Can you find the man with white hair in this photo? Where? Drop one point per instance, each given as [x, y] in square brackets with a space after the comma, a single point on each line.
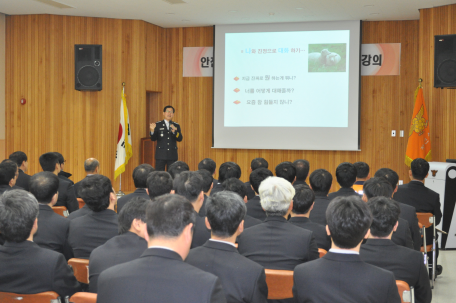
[276, 243]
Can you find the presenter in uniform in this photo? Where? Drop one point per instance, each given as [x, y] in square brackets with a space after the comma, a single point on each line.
[166, 133]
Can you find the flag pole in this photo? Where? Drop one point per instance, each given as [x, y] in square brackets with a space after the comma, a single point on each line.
[120, 193]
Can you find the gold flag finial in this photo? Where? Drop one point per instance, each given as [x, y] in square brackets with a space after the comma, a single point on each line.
[420, 81]
[123, 83]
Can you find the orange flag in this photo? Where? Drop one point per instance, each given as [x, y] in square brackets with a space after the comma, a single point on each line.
[419, 142]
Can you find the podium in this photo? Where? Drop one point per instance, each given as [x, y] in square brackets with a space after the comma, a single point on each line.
[442, 180]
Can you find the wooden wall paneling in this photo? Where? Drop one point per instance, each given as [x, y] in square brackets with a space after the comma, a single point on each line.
[440, 102]
[386, 104]
[40, 68]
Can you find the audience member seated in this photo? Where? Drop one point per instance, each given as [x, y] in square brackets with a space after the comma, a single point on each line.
[50, 162]
[276, 243]
[346, 177]
[189, 184]
[406, 264]
[303, 202]
[53, 228]
[127, 246]
[207, 186]
[226, 170]
[380, 187]
[62, 174]
[237, 186]
[140, 174]
[286, 170]
[177, 167]
[254, 208]
[209, 165]
[26, 268]
[91, 167]
[160, 275]
[94, 229]
[341, 276]
[20, 158]
[159, 183]
[255, 164]
[242, 279]
[424, 200]
[320, 181]
[8, 175]
[362, 175]
[408, 212]
[302, 168]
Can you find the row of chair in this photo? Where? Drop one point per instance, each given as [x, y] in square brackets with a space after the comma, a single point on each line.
[426, 220]
[63, 211]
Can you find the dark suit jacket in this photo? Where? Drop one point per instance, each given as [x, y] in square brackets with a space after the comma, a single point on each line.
[343, 278]
[318, 213]
[76, 187]
[166, 148]
[406, 264]
[318, 230]
[4, 188]
[402, 236]
[343, 192]
[159, 275]
[80, 212]
[26, 268]
[67, 196]
[254, 209]
[278, 244]
[53, 231]
[139, 192]
[23, 180]
[408, 213]
[64, 176]
[92, 230]
[242, 279]
[202, 211]
[217, 188]
[200, 234]
[250, 221]
[250, 192]
[424, 200]
[299, 182]
[120, 249]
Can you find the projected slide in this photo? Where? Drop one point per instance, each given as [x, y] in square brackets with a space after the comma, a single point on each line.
[287, 79]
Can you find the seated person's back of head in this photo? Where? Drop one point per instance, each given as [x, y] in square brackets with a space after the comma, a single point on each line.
[286, 170]
[26, 268]
[177, 167]
[302, 168]
[94, 229]
[160, 270]
[159, 183]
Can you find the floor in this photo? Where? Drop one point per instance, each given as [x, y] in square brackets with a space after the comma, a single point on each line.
[445, 285]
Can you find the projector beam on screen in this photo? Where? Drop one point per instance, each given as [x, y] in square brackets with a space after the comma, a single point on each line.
[287, 86]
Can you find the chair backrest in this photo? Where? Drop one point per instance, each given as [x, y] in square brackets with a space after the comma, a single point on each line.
[280, 284]
[81, 203]
[405, 292]
[322, 252]
[80, 269]
[60, 210]
[427, 219]
[43, 297]
[83, 297]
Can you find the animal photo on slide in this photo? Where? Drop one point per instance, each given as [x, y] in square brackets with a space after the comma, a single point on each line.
[324, 58]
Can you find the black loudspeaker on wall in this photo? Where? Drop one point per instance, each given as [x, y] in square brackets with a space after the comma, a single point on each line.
[88, 67]
[445, 61]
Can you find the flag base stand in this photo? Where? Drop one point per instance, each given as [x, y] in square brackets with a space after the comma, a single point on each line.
[120, 194]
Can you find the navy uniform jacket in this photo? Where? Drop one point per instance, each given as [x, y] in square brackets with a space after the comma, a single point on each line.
[120, 249]
[319, 231]
[406, 264]
[343, 278]
[243, 280]
[26, 268]
[159, 275]
[23, 180]
[92, 230]
[53, 231]
[166, 148]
